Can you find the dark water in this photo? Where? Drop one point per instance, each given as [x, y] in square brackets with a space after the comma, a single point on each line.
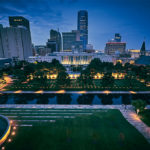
[89, 99]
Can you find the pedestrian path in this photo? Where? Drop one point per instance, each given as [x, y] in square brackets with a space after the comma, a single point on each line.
[133, 119]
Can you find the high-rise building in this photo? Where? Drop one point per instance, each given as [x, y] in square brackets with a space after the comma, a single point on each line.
[42, 50]
[83, 27]
[16, 21]
[71, 41]
[15, 42]
[54, 43]
[113, 48]
[117, 37]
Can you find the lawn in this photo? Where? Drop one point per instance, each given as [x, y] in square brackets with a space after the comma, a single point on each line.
[92, 130]
[145, 117]
[119, 85]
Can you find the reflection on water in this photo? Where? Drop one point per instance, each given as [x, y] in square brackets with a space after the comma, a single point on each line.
[83, 99]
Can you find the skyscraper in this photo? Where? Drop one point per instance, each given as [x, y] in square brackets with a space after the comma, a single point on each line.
[117, 37]
[15, 42]
[54, 43]
[83, 27]
[71, 41]
[16, 21]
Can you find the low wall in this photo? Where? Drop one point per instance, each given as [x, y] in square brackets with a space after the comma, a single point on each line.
[7, 132]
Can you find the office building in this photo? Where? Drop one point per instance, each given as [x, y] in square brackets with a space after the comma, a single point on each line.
[54, 43]
[71, 41]
[115, 48]
[15, 42]
[16, 21]
[42, 50]
[117, 37]
[82, 27]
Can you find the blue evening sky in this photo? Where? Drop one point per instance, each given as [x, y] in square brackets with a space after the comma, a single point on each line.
[130, 18]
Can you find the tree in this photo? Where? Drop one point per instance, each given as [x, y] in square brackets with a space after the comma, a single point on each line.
[108, 79]
[63, 79]
[85, 78]
[139, 105]
[118, 67]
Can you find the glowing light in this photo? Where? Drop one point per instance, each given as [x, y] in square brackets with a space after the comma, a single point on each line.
[11, 121]
[9, 140]
[3, 148]
[39, 92]
[14, 128]
[132, 92]
[107, 92]
[19, 91]
[135, 117]
[82, 92]
[61, 92]
[13, 133]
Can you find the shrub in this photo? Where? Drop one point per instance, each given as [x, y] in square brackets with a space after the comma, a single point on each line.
[139, 105]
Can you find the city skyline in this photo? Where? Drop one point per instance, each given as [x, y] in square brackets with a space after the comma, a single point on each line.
[105, 19]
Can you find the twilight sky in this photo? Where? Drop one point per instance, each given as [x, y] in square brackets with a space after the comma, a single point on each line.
[130, 18]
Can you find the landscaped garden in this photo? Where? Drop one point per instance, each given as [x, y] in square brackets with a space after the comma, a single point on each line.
[82, 129]
[97, 76]
[145, 116]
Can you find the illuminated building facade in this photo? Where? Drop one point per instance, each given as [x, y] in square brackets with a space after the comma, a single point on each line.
[135, 53]
[16, 21]
[68, 59]
[83, 27]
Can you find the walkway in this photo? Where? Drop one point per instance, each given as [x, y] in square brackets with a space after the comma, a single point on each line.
[8, 81]
[134, 120]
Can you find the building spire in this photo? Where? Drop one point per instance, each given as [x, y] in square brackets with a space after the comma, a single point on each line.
[143, 49]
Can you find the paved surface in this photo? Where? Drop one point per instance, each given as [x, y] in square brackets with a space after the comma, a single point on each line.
[134, 120]
[127, 112]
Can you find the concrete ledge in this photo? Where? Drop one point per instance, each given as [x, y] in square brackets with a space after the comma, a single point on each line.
[74, 92]
[7, 132]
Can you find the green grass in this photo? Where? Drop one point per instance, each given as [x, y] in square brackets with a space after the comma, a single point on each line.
[145, 117]
[119, 85]
[103, 130]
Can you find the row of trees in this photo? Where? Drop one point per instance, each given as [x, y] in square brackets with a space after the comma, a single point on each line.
[23, 70]
[132, 72]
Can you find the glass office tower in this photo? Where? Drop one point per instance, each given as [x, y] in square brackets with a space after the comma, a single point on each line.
[83, 27]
